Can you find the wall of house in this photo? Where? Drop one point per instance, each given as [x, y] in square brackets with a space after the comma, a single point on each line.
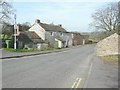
[39, 30]
[67, 37]
[63, 36]
[77, 39]
[20, 45]
[109, 46]
[39, 46]
[50, 39]
[86, 38]
[60, 44]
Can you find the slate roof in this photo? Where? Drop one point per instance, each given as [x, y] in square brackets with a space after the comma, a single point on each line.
[30, 36]
[52, 27]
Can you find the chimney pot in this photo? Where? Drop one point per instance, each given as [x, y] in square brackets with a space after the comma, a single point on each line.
[60, 25]
[18, 29]
[37, 21]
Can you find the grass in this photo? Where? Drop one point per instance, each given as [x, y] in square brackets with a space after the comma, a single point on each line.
[28, 50]
[50, 49]
[111, 58]
[19, 50]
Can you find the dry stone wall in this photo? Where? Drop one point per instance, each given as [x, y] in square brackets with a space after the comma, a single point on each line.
[109, 45]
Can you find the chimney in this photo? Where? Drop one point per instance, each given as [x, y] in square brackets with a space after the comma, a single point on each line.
[37, 21]
[18, 29]
[60, 25]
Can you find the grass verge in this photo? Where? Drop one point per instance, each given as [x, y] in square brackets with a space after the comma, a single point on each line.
[19, 50]
[28, 50]
[111, 58]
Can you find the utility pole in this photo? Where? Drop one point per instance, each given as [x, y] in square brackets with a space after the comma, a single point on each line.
[15, 29]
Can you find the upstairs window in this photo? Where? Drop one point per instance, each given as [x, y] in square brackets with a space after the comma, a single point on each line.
[51, 33]
[61, 34]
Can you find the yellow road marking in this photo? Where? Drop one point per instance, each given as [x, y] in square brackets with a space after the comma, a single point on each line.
[76, 83]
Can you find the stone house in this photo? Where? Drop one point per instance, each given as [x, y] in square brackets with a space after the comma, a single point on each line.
[85, 38]
[78, 39]
[30, 40]
[109, 45]
[54, 35]
[44, 35]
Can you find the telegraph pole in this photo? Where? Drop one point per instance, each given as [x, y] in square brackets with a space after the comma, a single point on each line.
[15, 29]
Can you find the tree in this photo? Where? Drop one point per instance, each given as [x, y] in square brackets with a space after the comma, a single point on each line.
[106, 19]
[119, 17]
[7, 30]
[5, 11]
[25, 26]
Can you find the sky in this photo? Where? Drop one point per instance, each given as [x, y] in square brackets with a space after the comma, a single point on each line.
[74, 15]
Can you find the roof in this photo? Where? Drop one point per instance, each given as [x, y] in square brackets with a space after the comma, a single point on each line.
[58, 38]
[52, 27]
[30, 36]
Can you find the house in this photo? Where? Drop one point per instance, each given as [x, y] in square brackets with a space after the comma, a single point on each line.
[30, 40]
[47, 35]
[78, 39]
[85, 38]
[109, 45]
[54, 35]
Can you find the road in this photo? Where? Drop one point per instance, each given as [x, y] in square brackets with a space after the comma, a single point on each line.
[67, 69]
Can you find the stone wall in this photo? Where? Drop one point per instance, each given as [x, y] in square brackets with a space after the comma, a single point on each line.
[77, 39]
[109, 45]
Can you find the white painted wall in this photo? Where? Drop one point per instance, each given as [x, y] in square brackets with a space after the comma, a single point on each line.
[60, 45]
[38, 30]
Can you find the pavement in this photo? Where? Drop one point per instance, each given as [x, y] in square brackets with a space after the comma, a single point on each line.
[74, 68]
[102, 74]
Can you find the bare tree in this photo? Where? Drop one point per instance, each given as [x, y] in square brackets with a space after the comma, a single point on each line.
[119, 17]
[119, 11]
[106, 19]
[5, 11]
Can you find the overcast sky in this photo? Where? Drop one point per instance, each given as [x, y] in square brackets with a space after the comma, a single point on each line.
[74, 15]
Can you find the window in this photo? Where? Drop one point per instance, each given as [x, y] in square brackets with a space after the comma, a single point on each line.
[61, 34]
[51, 33]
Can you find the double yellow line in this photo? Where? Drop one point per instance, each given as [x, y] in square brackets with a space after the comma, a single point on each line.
[76, 83]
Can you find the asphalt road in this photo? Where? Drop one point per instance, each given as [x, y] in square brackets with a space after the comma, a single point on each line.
[67, 69]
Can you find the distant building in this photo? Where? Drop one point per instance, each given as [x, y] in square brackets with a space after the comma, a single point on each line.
[78, 39]
[86, 39]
